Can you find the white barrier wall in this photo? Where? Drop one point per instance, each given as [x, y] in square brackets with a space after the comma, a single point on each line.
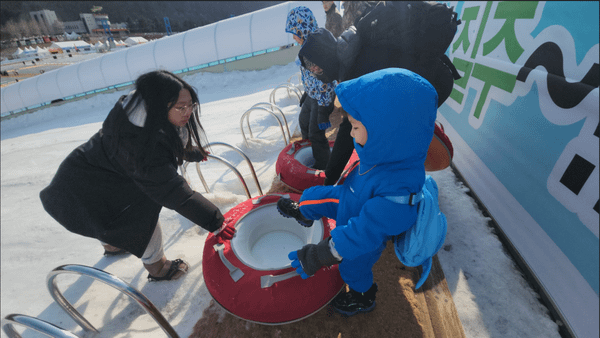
[524, 122]
[249, 33]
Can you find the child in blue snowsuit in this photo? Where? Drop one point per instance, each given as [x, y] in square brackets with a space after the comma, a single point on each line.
[317, 104]
[392, 112]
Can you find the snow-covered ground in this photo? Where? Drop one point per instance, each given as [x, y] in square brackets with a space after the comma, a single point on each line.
[491, 296]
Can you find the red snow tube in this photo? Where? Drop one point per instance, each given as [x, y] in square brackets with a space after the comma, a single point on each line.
[440, 153]
[251, 276]
[293, 166]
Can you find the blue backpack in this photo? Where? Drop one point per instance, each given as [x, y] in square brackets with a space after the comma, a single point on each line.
[417, 245]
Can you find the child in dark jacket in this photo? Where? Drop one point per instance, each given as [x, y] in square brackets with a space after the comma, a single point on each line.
[392, 112]
[317, 103]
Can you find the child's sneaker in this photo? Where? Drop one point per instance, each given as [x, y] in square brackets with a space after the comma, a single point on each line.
[291, 209]
[353, 302]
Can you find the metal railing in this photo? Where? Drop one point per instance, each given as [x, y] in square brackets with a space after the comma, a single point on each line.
[273, 107]
[33, 323]
[110, 280]
[239, 151]
[290, 88]
[246, 115]
[222, 160]
[297, 76]
[228, 164]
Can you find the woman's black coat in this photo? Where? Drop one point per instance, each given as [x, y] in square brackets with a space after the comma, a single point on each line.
[97, 192]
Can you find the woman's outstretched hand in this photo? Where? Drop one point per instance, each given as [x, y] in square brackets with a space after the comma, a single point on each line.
[226, 231]
[194, 155]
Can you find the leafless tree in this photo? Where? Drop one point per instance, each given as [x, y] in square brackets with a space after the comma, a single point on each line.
[34, 28]
[29, 28]
[24, 29]
[12, 29]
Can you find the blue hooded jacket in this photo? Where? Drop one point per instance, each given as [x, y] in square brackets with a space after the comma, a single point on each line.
[398, 109]
[301, 22]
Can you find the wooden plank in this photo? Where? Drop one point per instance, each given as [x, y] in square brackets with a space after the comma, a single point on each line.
[442, 310]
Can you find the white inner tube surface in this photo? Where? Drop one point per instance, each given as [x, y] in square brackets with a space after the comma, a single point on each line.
[264, 238]
[305, 156]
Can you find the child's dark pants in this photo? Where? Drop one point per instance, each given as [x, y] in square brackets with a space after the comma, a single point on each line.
[309, 126]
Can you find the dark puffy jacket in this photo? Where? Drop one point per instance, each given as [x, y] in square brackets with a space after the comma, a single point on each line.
[97, 192]
[354, 59]
[352, 11]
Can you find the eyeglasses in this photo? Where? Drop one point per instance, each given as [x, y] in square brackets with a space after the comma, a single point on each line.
[181, 110]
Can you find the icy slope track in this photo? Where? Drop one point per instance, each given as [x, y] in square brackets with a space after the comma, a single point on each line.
[491, 297]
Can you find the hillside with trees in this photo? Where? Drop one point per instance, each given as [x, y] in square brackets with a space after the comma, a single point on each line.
[140, 16]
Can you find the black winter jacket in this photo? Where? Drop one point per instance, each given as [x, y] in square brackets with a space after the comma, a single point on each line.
[98, 193]
[347, 57]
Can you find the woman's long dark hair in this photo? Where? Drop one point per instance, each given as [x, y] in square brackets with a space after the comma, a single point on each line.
[159, 91]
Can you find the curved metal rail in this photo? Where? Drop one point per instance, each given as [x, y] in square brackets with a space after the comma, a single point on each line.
[110, 280]
[273, 107]
[285, 140]
[183, 169]
[228, 164]
[33, 323]
[239, 151]
[299, 76]
[287, 86]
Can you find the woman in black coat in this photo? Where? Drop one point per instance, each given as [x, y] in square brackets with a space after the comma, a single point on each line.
[113, 187]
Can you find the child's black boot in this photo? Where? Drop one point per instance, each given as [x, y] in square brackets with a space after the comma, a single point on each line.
[291, 209]
[353, 302]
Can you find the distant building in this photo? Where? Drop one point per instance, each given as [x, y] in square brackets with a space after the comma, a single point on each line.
[89, 23]
[93, 23]
[75, 26]
[44, 16]
[69, 47]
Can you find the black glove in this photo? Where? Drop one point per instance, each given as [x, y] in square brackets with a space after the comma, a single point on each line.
[193, 155]
[312, 257]
[323, 117]
[303, 98]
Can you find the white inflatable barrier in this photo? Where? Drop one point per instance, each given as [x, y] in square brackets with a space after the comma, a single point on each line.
[245, 35]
